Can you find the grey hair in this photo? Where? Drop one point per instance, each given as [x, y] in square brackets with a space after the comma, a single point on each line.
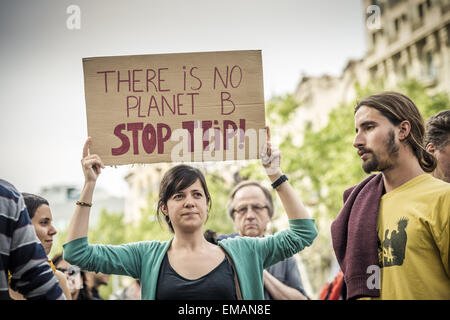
[267, 194]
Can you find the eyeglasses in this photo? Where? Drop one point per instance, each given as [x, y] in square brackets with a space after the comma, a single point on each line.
[256, 208]
[72, 270]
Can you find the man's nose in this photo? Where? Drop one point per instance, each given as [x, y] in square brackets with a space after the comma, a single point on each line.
[250, 213]
[358, 141]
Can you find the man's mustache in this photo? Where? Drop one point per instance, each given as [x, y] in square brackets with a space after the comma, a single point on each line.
[363, 150]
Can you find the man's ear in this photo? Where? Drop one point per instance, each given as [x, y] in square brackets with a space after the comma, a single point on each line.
[404, 130]
[430, 148]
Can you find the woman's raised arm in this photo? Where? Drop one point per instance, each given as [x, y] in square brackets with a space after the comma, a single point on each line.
[92, 165]
[271, 160]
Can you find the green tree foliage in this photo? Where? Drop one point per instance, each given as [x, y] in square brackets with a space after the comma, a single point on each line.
[219, 190]
[107, 229]
[148, 227]
[279, 109]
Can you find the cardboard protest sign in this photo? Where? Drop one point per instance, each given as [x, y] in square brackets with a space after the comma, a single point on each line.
[206, 106]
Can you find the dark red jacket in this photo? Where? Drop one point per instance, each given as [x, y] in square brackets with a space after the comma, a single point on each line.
[354, 235]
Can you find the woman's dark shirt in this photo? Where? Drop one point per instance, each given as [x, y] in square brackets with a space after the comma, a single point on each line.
[218, 284]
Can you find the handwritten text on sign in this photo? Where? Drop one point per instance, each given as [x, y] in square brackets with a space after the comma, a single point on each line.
[175, 107]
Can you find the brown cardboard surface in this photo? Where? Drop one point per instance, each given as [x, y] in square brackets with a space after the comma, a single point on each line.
[157, 108]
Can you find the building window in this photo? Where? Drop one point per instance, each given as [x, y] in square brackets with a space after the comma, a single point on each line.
[404, 70]
[397, 24]
[373, 72]
[431, 69]
[72, 193]
[421, 13]
[376, 2]
[428, 2]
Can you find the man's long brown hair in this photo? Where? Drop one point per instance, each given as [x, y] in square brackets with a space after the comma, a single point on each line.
[397, 108]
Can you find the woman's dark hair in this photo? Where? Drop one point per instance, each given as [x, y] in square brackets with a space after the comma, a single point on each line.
[33, 202]
[176, 179]
[397, 107]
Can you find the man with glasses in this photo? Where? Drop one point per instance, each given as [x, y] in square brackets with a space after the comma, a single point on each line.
[251, 209]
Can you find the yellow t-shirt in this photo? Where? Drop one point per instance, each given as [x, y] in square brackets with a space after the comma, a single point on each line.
[413, 229]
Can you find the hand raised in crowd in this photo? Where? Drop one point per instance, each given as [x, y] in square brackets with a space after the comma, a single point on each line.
[91, 163]
[270, 157]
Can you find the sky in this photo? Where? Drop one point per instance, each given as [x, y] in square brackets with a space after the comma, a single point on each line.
[42, 105]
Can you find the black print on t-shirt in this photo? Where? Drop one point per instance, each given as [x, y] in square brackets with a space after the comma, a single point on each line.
[392, 251]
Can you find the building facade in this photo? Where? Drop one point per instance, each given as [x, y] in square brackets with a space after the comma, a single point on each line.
[62, 199]
[412, 41]
[406, 39]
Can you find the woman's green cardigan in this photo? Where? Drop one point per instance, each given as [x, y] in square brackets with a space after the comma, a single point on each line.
[142, 260]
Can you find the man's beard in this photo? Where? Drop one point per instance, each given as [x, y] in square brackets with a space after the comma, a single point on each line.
[374, 164]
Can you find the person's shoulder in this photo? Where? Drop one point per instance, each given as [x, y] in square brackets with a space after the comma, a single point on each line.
[12, 205]
[290, 260]
[286, 263]
[227, 236]
[8, 191]
[435, 186]
[150, 245]
[6, 184]
[371, 180]
[282, 266]
[437, 194]
[443, 194]
[240, 243]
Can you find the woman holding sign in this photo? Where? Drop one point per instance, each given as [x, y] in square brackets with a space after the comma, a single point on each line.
[188, 267]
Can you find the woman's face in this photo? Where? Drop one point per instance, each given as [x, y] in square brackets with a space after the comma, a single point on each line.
[187, 208]
[42, 223]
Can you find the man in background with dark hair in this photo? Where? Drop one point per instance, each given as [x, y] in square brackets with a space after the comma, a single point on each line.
[437, 142]
[391, 238]
[98, 279]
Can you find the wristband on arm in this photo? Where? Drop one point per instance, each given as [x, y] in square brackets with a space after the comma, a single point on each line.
[279, 181]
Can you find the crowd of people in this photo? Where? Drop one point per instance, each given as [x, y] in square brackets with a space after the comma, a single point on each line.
[391, 238]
